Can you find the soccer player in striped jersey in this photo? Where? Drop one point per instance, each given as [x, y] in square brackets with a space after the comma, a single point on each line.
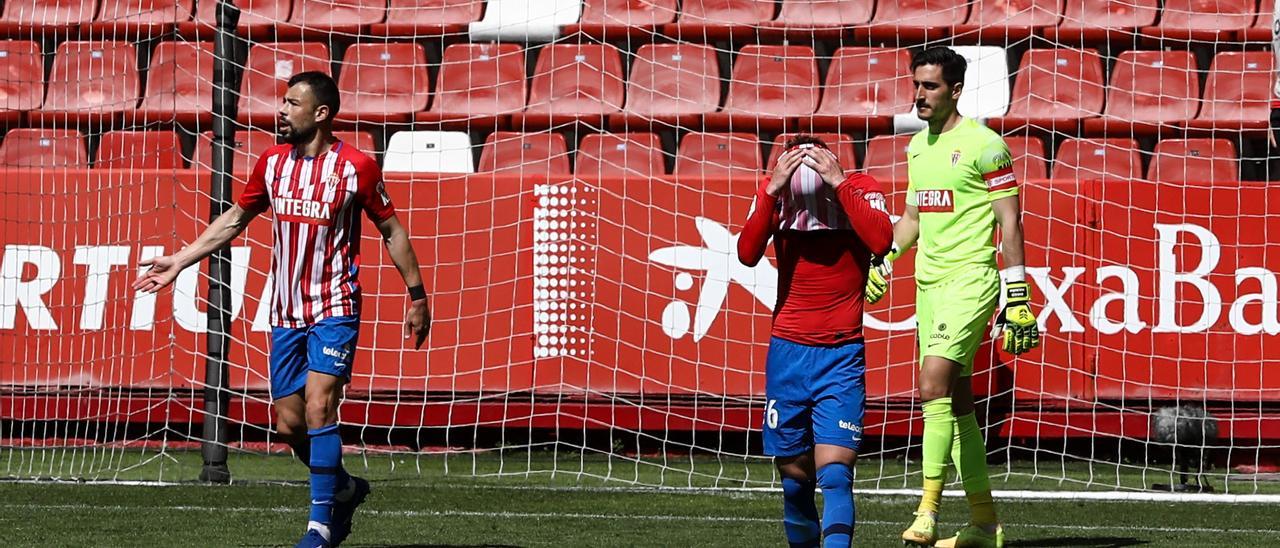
[316, 187]
[961, 186]
[825, 227]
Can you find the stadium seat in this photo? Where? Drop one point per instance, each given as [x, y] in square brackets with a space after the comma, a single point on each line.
[865, 87]
[258, 19]
[511, 152]
[179, 84]
[139, 150]
[91, 82]
[1099, 22]
[118, 19]
[1055, 88]
[573, 82]
[671, 83]
[383, 83]
[886, 159]
[1149, 89]
[362, 140]
[323, 18]
[267, 73]
[1194, 161]
[1028, 157]
[21, 79]
[1003, 20]
[43, 148]
[1237, 94]
[45, 18]
[611, 19]
[907, 21]
[718, 155]
[524, 21]
[416, 18]
[428, 152]
[1260, 31]
[248, 146]
[1105, 159]
[1201, 20]
[822, 18]
[986, 82]
[620, 154]
[709, 20]
[769, 85]
[477, 82]
[839, 143]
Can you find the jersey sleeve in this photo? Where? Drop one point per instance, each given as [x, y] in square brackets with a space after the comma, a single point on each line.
[995, 164]
[762, 220]
[255, 197]
[371, 193]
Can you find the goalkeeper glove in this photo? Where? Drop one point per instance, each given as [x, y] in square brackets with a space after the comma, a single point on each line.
[1021, 332]
[878, 276]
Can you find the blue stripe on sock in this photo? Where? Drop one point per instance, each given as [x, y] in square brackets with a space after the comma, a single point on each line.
[326, 462]
[836, 481]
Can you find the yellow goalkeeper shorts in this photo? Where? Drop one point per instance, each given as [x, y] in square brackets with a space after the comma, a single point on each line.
[954, 315]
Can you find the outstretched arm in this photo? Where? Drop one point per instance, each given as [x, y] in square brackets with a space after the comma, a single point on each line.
[219, 233]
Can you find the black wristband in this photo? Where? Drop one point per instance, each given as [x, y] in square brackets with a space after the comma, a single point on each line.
[417, 293]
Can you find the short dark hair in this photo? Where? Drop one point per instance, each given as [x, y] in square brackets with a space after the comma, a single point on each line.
[804, 139]
[952, 63]
[322, 86]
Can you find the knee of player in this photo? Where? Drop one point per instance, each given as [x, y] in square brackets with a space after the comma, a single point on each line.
[930, 390]
[836, 475]
[319, 414]
[290, 427]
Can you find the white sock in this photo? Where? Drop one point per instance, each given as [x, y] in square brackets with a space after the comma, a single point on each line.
[319, 528]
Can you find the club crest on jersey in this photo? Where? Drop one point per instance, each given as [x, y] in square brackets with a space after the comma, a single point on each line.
[331, 180]
[934, 201]
[955, 157]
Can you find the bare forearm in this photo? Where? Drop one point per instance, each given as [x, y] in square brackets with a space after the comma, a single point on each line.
[404, 257]
[1011, 247]
[219, 233]
[905, 233]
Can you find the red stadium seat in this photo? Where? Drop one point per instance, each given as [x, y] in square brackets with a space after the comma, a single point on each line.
[671, 83]
[267, 73]
[840, 144]
[718, 155]
[1194, 161]
[823, 18]
[21, 79]
[415, 18]
[1149, 89]
[913, 20]
[248, 146]
[1261, 29]
[1106, 159]
[620, 154]
[477, 81]
[322, 18]
[886, 159]
[1000, 20]
[382, 83]
[91, 82]
[622, 18]
[1097, 22]
[179, 84]
[707, 20]
[27, 18]
[769, 84]
[143, 18]
[865, 88]
[43, 148]
[525, 153]
[1203, 20]
[1028, 157]
[1237, 94]
[574, 82]
[1055, 88]
[139, 150]
[258, 18]
[362, 140]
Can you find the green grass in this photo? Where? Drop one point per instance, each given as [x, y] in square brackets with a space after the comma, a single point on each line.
[481, 499]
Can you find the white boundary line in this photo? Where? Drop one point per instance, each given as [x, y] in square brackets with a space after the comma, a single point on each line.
[621, 517]
[1015, 494]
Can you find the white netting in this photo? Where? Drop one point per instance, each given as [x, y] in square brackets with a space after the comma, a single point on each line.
[574, 176]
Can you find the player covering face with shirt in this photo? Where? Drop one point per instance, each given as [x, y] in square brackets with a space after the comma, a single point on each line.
[825, 225]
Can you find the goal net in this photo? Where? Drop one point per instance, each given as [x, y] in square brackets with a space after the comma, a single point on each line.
[575, 174]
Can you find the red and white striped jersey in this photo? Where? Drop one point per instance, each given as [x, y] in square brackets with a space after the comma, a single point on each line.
[315, 204]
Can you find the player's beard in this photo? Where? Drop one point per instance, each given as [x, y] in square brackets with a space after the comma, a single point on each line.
[291, 135]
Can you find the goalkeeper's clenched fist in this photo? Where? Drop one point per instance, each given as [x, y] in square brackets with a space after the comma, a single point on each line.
[878, 276]
[1021, 333]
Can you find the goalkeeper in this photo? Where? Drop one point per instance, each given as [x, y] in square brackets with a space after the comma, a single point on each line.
[961, 186]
